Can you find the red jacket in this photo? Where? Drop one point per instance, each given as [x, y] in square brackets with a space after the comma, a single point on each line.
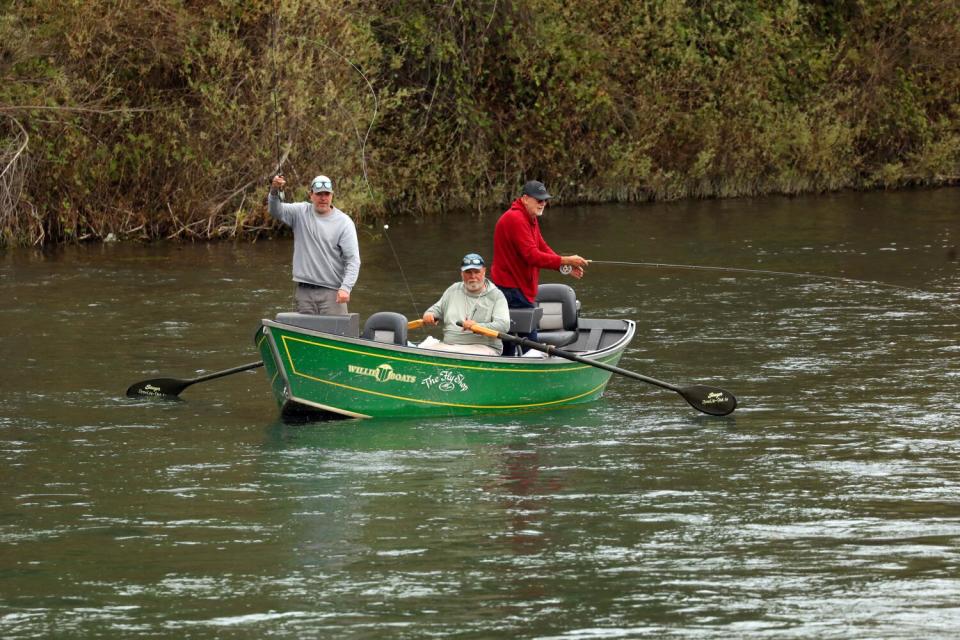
[519, 251]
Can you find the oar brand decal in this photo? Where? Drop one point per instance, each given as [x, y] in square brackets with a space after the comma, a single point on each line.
[715, 397]
[383, 373]
[150, 390]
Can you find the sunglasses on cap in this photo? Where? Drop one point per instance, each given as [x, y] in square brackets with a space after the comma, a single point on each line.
[471, 261]
[321, 185]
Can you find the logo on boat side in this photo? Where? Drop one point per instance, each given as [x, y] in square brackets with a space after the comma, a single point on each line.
[446, 381]
[383, 373]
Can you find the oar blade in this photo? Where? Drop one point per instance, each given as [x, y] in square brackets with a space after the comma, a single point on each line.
[157, 388]
[709, 400]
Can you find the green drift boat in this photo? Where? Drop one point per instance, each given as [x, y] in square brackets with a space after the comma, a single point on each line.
[323, 367]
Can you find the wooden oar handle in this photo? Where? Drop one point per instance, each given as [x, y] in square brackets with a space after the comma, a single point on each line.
[415, 324]
[483, 331]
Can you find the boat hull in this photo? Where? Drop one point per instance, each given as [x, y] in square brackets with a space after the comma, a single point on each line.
[316, 375]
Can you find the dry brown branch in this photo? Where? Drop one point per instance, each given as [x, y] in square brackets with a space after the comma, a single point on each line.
[25, 137]
[12, 176]
[41, 234]
[242, 189]
[19, 108]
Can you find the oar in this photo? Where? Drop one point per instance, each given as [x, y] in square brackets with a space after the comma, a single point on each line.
[710, 400]
[160, 387]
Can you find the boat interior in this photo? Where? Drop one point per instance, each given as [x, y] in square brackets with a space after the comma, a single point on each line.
[556, 317]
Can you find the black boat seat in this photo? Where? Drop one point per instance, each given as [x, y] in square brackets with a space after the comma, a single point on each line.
[386, 326]
[348, 325]
[558, 326]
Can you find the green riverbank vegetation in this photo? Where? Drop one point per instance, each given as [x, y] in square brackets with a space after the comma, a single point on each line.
[164, 119]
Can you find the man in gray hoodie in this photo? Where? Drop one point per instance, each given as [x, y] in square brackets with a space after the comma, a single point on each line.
[474, 300]
[326, 254]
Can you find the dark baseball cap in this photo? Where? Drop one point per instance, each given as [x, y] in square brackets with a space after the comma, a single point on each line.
[535, 189]
[471, 261]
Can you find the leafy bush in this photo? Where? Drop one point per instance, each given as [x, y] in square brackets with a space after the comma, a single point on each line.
[159, 120]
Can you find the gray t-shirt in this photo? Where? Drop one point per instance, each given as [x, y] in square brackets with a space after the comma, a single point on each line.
[325, 247]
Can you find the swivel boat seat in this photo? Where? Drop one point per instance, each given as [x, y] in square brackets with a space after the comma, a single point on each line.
[558, 326]
[386, 326]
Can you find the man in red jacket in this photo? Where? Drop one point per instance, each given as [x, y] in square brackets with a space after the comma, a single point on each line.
[519, 251]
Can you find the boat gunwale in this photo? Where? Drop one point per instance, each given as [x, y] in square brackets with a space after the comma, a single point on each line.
[620, 344]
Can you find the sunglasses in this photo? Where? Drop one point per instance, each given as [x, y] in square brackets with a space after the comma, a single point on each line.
[321, 185]
[471, 262]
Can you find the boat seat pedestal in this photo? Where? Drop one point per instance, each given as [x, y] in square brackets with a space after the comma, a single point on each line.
[525, 320]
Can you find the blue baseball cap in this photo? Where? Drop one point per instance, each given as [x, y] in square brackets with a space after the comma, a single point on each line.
[471, 261]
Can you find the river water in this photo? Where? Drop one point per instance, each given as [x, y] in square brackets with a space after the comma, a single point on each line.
[826, 506]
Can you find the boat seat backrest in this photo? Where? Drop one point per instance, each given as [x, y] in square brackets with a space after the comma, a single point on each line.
[386, 326]
[558, 326]
[559, 304]
[341, 325]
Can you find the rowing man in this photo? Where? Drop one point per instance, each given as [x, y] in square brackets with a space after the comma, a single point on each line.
[472, 301]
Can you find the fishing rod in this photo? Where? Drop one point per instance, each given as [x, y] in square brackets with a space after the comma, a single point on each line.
[363, 138]
[373, 117]
[402, 274]
[276, 109]
[665, 265]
